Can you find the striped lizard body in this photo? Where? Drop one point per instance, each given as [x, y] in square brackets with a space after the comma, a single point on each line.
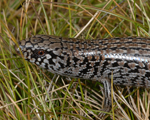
[128, 58]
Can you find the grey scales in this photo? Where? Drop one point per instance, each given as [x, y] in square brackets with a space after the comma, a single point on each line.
[127, 58]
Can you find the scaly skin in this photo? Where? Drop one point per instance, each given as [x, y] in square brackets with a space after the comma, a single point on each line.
[128, 58]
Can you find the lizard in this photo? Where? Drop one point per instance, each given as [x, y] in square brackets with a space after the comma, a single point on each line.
[128, 58]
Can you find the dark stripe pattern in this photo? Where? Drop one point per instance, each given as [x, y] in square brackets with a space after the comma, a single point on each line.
[127, 58]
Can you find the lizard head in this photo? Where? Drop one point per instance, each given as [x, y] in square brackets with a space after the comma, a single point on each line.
[40, 49]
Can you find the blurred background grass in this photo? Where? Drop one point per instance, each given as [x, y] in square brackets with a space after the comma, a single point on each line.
[28, 92]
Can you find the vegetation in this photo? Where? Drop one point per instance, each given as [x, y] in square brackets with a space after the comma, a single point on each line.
[28, 92]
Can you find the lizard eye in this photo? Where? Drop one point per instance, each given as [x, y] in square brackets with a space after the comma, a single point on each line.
[41, 52]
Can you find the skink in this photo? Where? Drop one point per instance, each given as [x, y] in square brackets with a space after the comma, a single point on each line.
[127, 58]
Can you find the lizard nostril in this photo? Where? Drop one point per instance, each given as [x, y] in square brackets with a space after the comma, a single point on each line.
[16, 48]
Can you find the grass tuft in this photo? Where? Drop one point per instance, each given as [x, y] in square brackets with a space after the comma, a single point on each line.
[28, 92]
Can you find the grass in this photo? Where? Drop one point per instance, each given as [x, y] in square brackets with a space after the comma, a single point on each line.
[28, 92]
